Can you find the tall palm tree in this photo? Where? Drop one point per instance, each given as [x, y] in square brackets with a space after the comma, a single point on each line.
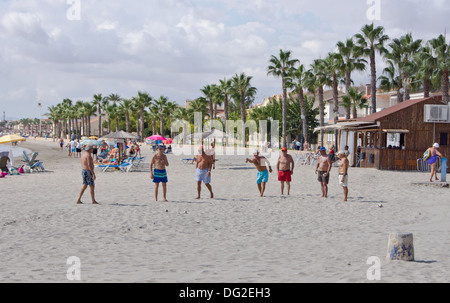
[317, 78]
[208, 92]
[126, 106]
[90, 111]
[352, 60]
[370, 41]
[333, 66]
[441, 52]
[161, 105]
[298, 78]
[225, 86]
[402, 52]
[143, 100]
[426, 65]
[281, 67]
[98, 101]
[241, 90]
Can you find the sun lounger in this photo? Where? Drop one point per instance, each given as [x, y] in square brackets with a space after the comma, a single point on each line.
[186, 161]
[124, 167]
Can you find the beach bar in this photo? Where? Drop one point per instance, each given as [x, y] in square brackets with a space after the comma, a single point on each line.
[396, 137]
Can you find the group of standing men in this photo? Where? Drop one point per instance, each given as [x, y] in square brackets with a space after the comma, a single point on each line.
[204, 164]
[285, 169]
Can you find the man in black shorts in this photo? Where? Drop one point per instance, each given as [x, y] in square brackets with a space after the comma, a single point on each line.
[323, 170]
[87, 173]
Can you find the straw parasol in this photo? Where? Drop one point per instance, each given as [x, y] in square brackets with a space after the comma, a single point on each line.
[120, 135]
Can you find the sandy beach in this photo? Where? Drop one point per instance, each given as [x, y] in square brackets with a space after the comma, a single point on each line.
[235, 237]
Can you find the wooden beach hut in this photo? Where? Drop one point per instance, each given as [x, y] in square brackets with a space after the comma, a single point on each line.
[396, 137]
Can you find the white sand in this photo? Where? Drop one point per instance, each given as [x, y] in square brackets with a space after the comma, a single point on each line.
[235, 237]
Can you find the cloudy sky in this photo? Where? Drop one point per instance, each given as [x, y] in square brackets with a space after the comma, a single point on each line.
[56, 49]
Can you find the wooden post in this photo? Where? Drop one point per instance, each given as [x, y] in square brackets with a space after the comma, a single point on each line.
[400, 247]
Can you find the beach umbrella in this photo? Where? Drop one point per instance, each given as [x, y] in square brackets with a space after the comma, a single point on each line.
[93, 137]
[120, 135]
[156, 138]
[167, 141]
[91, 141]
[11, 139]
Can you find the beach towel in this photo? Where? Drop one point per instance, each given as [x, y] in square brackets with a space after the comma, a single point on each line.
[426, 155]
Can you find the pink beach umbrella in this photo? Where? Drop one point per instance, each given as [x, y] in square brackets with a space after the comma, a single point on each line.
[168, 141]
[156, 138]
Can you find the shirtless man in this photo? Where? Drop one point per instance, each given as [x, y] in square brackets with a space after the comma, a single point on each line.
[87, 166]
[323, 170]
[343, 172]
[203, 171]
[285, 168]
[263, 176]
[159, 174]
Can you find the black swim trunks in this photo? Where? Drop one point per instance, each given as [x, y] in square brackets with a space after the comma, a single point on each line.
[323, 179]
[88, 178]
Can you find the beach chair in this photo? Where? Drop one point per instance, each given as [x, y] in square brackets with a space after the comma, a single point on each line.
[38, 166]
[30, 161]
[191, 161]
[124, 167]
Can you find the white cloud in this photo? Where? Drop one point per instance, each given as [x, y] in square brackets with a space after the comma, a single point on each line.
[176, 47]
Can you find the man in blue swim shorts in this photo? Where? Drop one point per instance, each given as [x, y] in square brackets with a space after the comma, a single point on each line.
[262, 177]
[158, 173]
[203, 171]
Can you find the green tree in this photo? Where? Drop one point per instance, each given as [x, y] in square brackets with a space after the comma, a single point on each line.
[281, 67]
[370, 41]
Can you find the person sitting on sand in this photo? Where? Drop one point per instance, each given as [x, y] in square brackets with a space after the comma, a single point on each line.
[323, 170]
[285, 168]
[343, 172]
[262, 176]
[87, 173]
[203, 171]
[159, 173]
[432, 160]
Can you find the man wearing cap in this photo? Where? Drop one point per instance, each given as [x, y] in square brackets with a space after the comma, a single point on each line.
[323, 170]
[285, 168]
[262, 176]
[343, 172]
[432, 160]
[87, 173]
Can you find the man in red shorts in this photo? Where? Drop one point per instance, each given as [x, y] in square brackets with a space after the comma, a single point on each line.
[285, 168]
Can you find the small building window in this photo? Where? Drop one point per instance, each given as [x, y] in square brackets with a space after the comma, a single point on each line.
[444, 139]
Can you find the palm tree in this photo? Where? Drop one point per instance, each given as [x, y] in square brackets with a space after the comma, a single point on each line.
[281, 67]
[371, 41]
[354, 100]
[161, 108]
[241, 90]
[333, 64]
[90, 111]
[317, 78]
[426, 65]
[98, 101]
[402, 52]
[441, 52]
[208, 92]
[392, 80]
[225, 86]
[143, 100]
[351, 61]
[126, 106]
[298, 78]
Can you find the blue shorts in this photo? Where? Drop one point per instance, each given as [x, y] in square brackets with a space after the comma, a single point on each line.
[262, 176]
[159, 176]
[202, 175]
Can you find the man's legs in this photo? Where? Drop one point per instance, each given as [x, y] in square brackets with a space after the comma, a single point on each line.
[81, 194]
[156, 191]
[164, 185]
